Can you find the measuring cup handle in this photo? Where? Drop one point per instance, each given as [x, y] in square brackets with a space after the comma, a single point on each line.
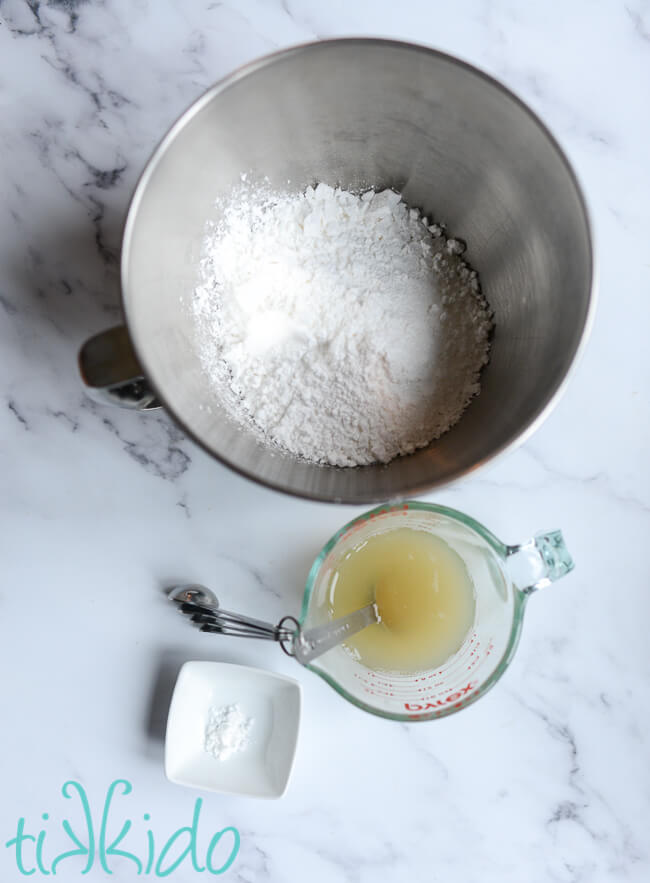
[540, 561]
[112, 374]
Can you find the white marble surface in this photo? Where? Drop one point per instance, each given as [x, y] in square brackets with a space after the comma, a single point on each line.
[545, 779]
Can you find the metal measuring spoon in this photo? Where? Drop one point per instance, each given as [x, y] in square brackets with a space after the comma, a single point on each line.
[202, 605]
[196, 599]
[310, 643]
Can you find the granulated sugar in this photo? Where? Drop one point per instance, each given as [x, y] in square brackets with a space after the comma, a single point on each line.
[347, 329]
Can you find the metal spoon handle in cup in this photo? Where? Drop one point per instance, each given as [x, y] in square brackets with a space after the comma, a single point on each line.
[307, 644]
[202, 606]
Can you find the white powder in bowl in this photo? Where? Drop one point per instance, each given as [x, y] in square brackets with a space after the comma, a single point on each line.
[227, 731]
[344, 328]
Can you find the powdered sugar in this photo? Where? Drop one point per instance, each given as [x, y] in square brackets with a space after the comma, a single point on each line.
[345, 328]
[227, 731]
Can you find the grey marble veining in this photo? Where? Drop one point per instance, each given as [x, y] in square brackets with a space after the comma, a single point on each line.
[546, 778]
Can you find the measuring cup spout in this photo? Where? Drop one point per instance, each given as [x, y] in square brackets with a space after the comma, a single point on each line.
[540, 561]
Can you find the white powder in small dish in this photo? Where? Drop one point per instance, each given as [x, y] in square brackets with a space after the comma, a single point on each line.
[343, 328]
[227, 731]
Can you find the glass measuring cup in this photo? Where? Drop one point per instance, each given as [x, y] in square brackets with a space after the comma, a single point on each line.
[503, 577]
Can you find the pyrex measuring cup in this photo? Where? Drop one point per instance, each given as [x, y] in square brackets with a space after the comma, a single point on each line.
[503, 576]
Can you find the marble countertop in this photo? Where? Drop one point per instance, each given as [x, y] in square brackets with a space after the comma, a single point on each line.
[545, 779]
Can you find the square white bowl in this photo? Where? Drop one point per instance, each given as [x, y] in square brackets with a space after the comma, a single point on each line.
[272, 701]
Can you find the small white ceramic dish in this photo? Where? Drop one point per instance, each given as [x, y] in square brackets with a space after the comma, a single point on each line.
[263, 767]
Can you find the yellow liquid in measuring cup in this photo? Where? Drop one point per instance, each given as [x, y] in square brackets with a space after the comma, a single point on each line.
[423, 592]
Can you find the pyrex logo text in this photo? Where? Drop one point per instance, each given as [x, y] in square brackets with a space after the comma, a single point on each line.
[452, 697]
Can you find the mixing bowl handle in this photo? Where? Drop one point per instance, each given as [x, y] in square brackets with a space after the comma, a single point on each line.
[111, 371]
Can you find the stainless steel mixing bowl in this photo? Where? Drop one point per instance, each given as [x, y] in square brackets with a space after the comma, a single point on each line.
[362, 112]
